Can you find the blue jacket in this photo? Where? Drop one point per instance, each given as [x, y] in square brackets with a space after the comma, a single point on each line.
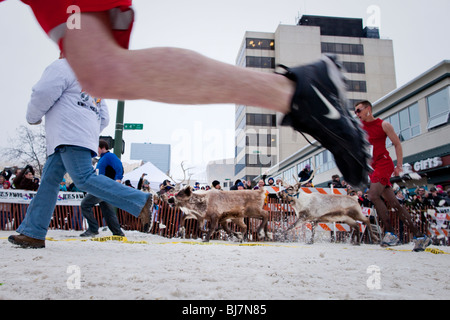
[110, 165]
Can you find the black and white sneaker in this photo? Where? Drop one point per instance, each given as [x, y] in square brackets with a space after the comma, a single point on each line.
[320, 108]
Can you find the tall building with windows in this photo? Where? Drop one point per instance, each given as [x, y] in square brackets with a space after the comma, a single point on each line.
[369, 62]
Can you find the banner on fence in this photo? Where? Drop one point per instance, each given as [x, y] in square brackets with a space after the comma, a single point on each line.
[25, 197]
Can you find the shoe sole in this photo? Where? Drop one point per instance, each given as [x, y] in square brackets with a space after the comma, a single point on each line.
[349, 148]
[386, 245]
[25, 245]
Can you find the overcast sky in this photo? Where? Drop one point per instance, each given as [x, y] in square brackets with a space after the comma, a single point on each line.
[419, 30]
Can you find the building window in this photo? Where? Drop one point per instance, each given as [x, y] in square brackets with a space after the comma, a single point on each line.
[290, 176]
[356, 86]
[260, 119]
[355, 67]
[353, 103]
[241, 124]
[260, 62]
[239, 110]
[240, 165]
[261, 140]
[263, 44]
[438, 108]
[406, 123]
[259, 160]
[324, 161]
[342, 48]
[239, 147]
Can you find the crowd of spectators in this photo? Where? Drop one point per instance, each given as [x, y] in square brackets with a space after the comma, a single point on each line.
[24, 179]
[19, 178]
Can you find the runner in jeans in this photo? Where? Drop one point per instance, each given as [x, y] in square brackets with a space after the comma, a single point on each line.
[58, 96]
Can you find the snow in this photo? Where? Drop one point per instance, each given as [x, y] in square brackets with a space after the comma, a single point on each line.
[176, 269]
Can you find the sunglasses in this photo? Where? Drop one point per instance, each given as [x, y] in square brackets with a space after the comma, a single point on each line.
[358, 111]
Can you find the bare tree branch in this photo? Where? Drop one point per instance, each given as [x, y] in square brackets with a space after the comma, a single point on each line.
[28, 146]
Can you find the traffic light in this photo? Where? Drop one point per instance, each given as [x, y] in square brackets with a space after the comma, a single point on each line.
[110, 142]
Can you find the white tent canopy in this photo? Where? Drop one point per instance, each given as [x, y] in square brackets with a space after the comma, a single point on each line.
[154, 176]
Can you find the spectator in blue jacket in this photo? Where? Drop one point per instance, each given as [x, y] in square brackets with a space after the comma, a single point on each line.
[109, 165]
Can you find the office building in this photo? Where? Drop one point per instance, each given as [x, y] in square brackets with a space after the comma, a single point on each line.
[158, 154]
[369, 61]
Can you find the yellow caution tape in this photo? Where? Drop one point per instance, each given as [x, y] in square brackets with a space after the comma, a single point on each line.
[103, 239]
[253, 244]
[430, 250]
[435, 251]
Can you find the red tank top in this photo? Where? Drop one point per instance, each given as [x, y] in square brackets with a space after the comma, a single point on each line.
[377, 138]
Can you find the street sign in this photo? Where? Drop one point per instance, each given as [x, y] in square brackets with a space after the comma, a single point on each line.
[133, 126]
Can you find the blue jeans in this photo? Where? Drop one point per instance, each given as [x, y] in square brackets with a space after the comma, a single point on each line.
[77, 162]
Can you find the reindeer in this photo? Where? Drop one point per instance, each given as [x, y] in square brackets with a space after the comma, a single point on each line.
[220, 206]
[187, 213]
[317, 207]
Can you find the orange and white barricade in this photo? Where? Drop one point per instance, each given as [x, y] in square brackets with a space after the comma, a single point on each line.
[274, 189]
[335, 227]
[441, 215]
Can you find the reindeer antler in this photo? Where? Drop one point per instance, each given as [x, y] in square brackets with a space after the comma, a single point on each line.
[178, 184]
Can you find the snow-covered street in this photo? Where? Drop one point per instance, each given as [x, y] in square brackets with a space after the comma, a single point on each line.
[161, 268]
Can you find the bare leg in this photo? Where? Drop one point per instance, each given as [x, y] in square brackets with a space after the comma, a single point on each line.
[169, 75]
[375, 192]
[389, 196]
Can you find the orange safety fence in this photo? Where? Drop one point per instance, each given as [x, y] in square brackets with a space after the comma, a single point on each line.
[167, 222]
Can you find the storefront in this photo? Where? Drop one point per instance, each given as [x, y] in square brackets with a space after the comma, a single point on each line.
[433, 170]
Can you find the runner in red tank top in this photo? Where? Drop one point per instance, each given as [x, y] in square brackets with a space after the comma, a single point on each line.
[383, 167]
[381, 161]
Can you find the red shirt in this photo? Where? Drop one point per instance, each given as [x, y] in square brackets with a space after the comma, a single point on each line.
[381, 161]
[377, 138]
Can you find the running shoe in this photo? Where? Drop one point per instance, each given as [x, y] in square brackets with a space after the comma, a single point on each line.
[389, 240]
[421, 243]
[89, 233]
[320, 108]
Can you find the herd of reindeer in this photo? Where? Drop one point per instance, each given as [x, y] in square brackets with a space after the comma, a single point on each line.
[219, 207]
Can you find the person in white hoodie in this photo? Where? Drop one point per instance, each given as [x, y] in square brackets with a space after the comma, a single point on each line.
[59, 98]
